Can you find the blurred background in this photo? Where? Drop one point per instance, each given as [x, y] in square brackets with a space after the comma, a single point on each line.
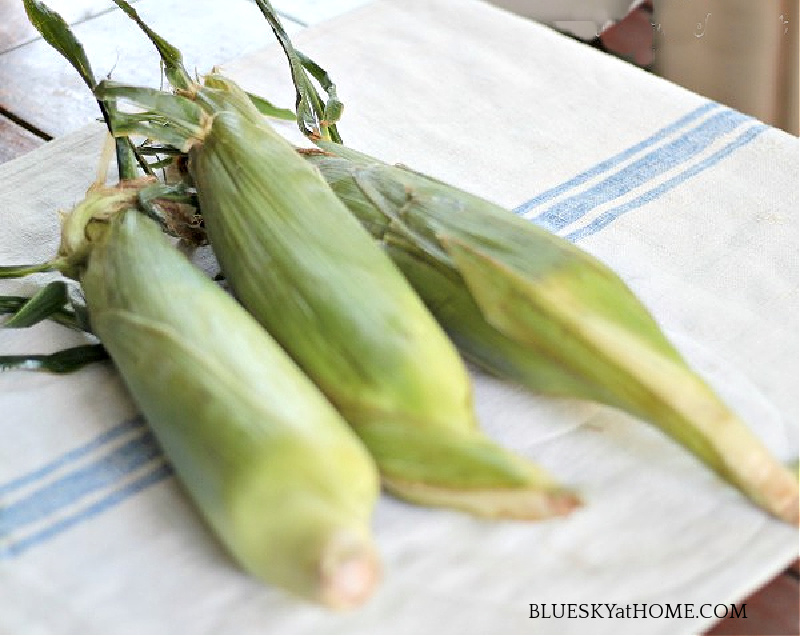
[741, 53]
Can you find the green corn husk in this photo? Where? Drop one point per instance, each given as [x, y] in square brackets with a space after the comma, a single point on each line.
[529, 306]
[270, 464]
[303, 266]
[48, 301]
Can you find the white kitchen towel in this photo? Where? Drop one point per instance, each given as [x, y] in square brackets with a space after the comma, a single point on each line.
[695, 205]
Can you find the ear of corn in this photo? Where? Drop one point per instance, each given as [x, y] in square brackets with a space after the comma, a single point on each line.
[303, 266]
[271, 465]
[530, 306]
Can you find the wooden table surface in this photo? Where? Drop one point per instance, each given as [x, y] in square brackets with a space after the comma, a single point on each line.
[41, 98]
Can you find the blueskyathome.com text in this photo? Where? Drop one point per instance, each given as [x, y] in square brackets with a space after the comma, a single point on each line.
[638, 610]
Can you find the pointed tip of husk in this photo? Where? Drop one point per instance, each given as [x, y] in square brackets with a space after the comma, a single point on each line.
[779, 494]
[527, 503]
[791, 511]
[350, 572]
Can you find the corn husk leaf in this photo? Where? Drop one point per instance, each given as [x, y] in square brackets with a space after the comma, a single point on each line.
[268, 109]
[18, 271]
[171, 57]
[46, 302]
[315, 119]
[64, 361]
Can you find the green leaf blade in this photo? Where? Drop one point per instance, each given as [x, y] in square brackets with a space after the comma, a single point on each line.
[170, 55]
[313, 118]
[56, 32]
[60, 362]
[46, 302]
[18, 271]
[268, 109]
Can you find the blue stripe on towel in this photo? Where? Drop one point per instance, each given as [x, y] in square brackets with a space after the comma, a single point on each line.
[644, 169]
[70, 488]
[608, 164]
[158, 474]
[607, 217]
[73, 455]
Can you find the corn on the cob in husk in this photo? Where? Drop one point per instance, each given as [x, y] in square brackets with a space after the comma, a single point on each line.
[530, 306]
[303, 266]
[274, 469]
